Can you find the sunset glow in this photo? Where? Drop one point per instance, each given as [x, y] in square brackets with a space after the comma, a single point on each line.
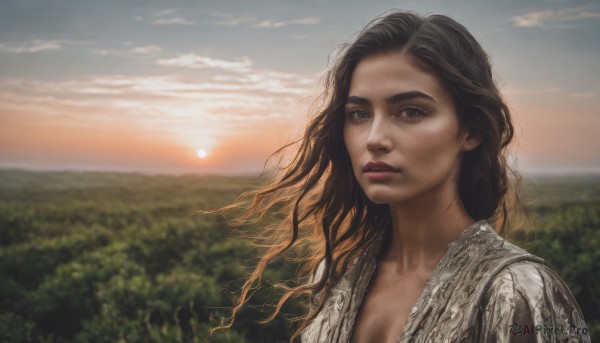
[222, 92]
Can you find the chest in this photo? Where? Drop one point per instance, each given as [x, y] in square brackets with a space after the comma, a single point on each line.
[385, 309]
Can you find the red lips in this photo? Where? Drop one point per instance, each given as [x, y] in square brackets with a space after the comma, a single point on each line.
[378, 166]
[380, 172]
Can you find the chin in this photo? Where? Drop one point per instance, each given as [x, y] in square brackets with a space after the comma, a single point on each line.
[388, 196]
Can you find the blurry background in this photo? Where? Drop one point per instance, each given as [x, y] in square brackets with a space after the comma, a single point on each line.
[119, 119]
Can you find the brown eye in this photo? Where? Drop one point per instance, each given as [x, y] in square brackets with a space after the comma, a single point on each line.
[357, 114]
[411, 112]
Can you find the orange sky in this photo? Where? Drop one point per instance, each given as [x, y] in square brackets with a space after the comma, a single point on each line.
[149, 89]
[548, 132]
[131, 147]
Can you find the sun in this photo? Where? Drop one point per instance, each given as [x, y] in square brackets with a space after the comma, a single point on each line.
[202, 153]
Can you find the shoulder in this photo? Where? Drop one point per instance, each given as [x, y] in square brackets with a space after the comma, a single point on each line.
[523, 280]
[529, 300]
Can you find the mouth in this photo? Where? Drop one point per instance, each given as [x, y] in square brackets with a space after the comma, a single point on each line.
[379, 167]
[379, 171]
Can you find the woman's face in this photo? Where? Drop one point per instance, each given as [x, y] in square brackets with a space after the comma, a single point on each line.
[400, 114]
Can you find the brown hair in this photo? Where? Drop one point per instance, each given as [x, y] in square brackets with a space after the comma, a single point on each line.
[327, 215]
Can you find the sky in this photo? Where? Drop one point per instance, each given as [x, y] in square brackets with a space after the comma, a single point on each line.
[144, 85]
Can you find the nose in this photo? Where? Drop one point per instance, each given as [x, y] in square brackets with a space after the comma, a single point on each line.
[379, 135]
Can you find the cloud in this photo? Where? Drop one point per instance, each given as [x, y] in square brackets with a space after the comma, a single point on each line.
[146, 49]
[172, 21]
[33, 46]
[241, 75]
[548, 18]
[194, 61]
[169, 12]
[244, 76]
[204, 109]
[141, 50]
[276, 24]
[269, 24]
[306, 21]
[239, 20]
[264, 23]
[56, 122]
[106, 52]
[226, 100]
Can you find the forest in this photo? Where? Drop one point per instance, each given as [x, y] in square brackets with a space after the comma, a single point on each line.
[118, 257]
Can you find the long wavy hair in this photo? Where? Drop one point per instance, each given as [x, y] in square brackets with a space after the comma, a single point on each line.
[326, 215]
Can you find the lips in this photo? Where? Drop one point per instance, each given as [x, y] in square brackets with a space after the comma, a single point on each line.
[378, 166]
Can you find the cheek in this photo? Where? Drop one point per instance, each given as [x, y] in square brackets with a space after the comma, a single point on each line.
[434, 148]
[353, 146]
[351, 140]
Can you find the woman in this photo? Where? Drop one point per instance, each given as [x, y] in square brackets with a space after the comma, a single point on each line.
[401, 193]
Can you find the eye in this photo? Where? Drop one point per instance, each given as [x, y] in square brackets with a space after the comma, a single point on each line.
[411, 113]
[357, 114]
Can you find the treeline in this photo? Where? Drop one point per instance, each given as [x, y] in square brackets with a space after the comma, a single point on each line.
[100, 257]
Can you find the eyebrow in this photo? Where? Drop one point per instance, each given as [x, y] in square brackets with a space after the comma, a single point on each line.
[391, 99]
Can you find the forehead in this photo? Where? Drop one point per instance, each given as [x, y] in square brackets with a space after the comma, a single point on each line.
[386, 74]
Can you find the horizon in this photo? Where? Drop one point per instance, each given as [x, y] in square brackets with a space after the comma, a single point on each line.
[214, 88]
[525, 174]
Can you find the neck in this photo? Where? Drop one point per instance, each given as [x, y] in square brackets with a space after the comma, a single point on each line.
[422, 229]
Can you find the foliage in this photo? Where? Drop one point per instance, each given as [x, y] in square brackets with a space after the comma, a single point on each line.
[570, 243]
[101, 257]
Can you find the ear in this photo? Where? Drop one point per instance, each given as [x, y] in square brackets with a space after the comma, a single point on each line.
[471, 141]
